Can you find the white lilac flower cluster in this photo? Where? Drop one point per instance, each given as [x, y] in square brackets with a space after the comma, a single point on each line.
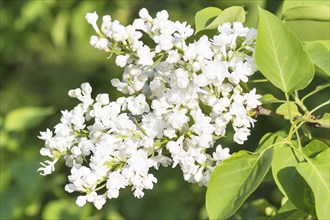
[180, 99]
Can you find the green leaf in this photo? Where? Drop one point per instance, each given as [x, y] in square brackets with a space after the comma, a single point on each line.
[315, 13]
[289, 212]
[289, 181]
[65, 209]
[316, 173]
[314, 148]
[280, 55]
[284, 110]
[288, 4]
[234, 180]
[306, 10]
[324, 121]
[26, 117]
[269, 98]
[270, 140]
[325, 43]
[205, 16]
[320, 56]
[231, 14]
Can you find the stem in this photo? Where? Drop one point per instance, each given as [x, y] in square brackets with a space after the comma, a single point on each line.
[320, 106]
[313, 92]
[139, 127]
[259, 81]
[290, 117]
[300, 103]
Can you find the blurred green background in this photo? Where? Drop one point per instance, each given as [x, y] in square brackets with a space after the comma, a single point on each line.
[44, 53]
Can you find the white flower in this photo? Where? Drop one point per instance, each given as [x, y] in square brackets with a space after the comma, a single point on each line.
[121, 60]
[92, 19]
[179, 98]
[178, 118]
[48, 167]
[144, 14]
[221, 154]
[252, 99]
[139, 162]
[137, 105]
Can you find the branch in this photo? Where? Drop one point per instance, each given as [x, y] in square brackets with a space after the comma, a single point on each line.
[312, 121]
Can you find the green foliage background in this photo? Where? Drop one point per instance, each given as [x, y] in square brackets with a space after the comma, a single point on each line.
[44, 53]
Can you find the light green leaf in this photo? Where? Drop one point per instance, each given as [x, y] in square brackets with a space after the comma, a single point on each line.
[288, 4]
[234, 180]
[270, 140]
[314, 148]
[65, 209]
[315, 13]
[231, 14]
[205, 16]
[316, 173]
[26, 117]
[284, 110]
[325, 43]
[289, 212]
[320, 56]
[280, 55]
[59, 29]
[269, 98]
[324, 121]
[288, 180]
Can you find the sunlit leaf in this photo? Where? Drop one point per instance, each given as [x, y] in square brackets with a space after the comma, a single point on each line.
[231, 14]
[316, 13]
[324, 121]
[306, 10]
[234, 180]
[205, 16]
[59, 30]
[316, 173]
[289, 181]
[288, 109]
[280, 55]
[288, 4]
[269, 98]
[26, 117]
[320, 56]
[270, 140]
[65, 209]
[314, 147]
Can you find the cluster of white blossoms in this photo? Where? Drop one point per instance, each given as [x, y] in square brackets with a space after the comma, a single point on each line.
[180, 99]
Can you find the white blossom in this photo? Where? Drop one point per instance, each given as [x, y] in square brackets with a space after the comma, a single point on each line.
[179, 99]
